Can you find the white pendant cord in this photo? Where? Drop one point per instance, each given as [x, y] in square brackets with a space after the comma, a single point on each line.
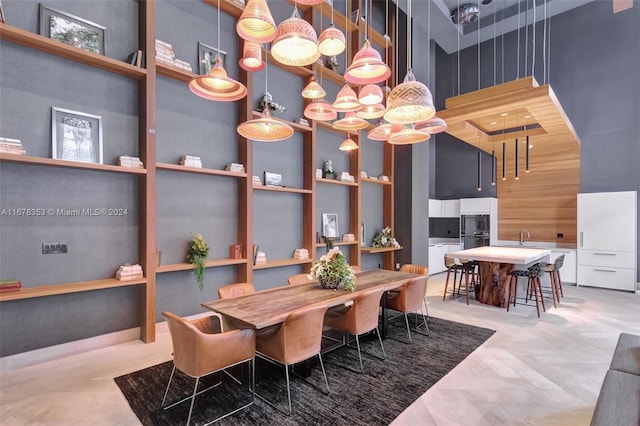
[533, 42]
[518, 50]
[219, 30]
[458, 52]
[478, 45]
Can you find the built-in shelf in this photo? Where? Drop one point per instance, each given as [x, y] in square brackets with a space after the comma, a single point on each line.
[297, 127]
[54, 47]
[186, 169]
[336, 182]
[173, 267]
[379, 249]
[52, 162]
[283, 189]
[175, 73]
[376, 181]
[281, 262]
[76, 287]
[340, 243]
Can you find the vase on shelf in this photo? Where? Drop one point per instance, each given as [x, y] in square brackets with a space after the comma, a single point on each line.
[328, 175]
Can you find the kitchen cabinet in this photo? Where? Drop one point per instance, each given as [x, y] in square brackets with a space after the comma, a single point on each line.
[486, 205]
[436, 256]
[444, 208]
[569, 268]
[607, 240]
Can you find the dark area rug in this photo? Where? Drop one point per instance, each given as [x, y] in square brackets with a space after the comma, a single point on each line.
[374, 398]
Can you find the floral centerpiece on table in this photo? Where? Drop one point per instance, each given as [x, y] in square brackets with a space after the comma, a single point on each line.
[333, 271]
[198, 252]
[384, 239]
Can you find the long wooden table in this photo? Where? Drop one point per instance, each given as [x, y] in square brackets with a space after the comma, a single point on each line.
[495, 264]
[269, 307]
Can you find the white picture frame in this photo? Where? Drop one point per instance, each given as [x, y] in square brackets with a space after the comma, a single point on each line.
[330, 228]
[76, 136]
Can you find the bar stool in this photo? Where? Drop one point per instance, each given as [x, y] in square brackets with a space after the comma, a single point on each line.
[465, 267]
[533, 286]
[554, 276]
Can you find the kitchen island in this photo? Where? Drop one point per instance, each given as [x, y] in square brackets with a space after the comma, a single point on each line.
[495, 265]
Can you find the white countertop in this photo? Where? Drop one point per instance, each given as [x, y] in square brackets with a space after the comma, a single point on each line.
[515, 255]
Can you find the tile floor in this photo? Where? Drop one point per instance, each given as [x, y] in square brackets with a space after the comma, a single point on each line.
[545, 371]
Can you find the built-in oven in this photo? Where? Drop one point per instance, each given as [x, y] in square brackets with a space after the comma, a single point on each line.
[474, 230]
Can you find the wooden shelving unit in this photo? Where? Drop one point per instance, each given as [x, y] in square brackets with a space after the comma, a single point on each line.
[376, 181]
[204, 171]
[340, 243]
[173, 267]
[51, 162]
[336, 182]
[379, 249]
[281, 262]
[66, 288]
[283, 189]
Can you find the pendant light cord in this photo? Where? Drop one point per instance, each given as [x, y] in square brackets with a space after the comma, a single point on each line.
[478, 52]
[526, 37]
[458, 52]
[533, 42]
[494, 44]
[409, 36]
[544, 46]
[518, 54]
[429, 43]
[219, 29]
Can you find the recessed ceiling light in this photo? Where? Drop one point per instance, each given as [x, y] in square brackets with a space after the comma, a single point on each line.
[527, 116]
[493, 123]
[504, 114]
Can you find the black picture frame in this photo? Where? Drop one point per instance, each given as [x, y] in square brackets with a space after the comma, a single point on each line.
[207, 56]
[73, 30]
[76, 136]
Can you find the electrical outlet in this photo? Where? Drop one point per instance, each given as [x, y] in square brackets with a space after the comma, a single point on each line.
[54, 248]
[397, 266]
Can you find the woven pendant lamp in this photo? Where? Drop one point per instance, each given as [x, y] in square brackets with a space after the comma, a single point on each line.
[370, 94]
[346, 100]
[348, 144]
[383, 131]
[432, 126]
[251, 57]
[320, 110]
[409, 102]
[408, 135]
[370, 112]
[331, 42]
[296, 42]
[309, 2]
[313, 90]
[350, 122]
[265, 129]
[367, 67]
[216, 86]
[256, 23]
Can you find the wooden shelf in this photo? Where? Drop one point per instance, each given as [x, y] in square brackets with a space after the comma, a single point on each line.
[376, 181]
[299, 71]
[47, 45]
[283, 189]
[227, 7]
[336, 182]
[205, 171]
[282, 262]
[173, 267]
[77, 287]
[297, 127]
[340, 243]
[379, 249]
[324, 73]
[175, 73]
[41, 161]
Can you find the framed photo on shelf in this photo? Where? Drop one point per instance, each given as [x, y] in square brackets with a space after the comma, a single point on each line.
[363, 235]
[355, 15]
[272, 179]
[207, 56]
[330, 225]
[73, 30]
[76, 136]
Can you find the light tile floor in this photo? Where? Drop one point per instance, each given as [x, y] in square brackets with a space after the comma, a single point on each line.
[545, 371]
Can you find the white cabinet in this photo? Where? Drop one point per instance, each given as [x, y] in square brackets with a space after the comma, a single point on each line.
[436, 256]
[435, 208]
[478, 206]
[569, 268]
[444, 208]
[607, 240]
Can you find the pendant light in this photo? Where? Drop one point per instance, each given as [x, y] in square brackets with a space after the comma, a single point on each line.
[296, 42]
[479, 187]
[410, 101]
[346, 100]
[217, 86]
[528, 147]
[350, 122]
[313, 90]
[256, 23]
[251, 57]
[265, 128]
[371, 112]
[432, 126]
[370, 94]
[348, 144]
[493, 167]
[332, 41]
[320, 110]
[517, 165]
[383, 131]
[504, 161]
[408, 135]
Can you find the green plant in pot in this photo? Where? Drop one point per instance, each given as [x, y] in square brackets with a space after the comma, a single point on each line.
[197, 254]
[333, 271]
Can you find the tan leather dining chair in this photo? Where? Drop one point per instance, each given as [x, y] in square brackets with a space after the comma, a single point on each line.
[235, 290]
[359, 318]
[200, 349]
[297, 339]
[412, 268]
[299, 279]
[409, 298]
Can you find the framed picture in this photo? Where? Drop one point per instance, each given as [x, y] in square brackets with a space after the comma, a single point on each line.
[2, 18]
[73, 30]
[330, 225]
[207, 56]
[76, 136]
[272, 179]
[355, 15]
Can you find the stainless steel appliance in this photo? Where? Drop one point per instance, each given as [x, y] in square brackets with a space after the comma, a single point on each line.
[474, 230]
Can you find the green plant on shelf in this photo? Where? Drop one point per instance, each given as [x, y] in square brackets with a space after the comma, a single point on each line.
[384, 239]
[198, 252]
[333, 271]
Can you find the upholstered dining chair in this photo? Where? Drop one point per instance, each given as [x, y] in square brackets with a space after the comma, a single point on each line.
[297, 339]
[409, 298]
[200, 349]
[412, 268]
[359, 318]
[235, 290]
[299, 279]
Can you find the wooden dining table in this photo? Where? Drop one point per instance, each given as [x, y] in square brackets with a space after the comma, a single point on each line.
[269, 307]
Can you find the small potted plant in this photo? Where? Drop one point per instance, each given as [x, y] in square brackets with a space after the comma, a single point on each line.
[384, 239]
[198, 252]
[333, 271]
[327, 170]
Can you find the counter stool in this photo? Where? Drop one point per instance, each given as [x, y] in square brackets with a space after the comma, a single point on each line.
[533, 286]
[554, 276]
[465, 267]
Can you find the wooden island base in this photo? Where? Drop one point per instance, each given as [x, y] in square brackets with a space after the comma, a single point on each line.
[494, 279]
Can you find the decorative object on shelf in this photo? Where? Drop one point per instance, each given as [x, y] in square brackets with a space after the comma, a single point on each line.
[261, 258]
[256, 181]
[333, 64]
[180, 64]
[346, 100]
[255, 253]
[158, 257]
[165, 53]
[333, 272]
[73, 30]
[363, 234]
[296, 42]
[129, 272]
[235, 167]
[251, 57]
[216, 85]
[191, 161]
[408, 135]
[267, 103]
[327, 170]
[384, 239]
[302, 121]
[126, 161]
[272, 179]
[320, 110]
[330, 225]
[349, 122]
[3, 18]
[76, 136]
[363, 174]
[318, 173]
[136, 58]
[198, 252]
[256, 23]
[383, 178]
[207, 57]
[301, 254]
[348, 238]
[11, 146]
[331, 41]
[9, 285]
[346, 177]
[235, 251]
[348, 145]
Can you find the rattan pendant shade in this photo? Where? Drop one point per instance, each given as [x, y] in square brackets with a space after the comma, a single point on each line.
[371, 112]
[346, 100]
[313, 90]
[251, 57]
[256, 23]
[432, 126]
[408, 135]
[367, 67]
[350, 122]
[409, 102]
[265, 129]
[383, 131]
[296, 42]
[309, 2]
[370, 94]
[348, 145]
[217, 86]
[320, 110]
[331, 42]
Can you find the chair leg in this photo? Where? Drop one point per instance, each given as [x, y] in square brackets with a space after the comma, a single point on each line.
[286, 372]
[559, 281]
[446, 284]
[406, 320]
[359, 354]
[466, 283]
[193, 399]
[539, 287]
[168, 385]
[323, 372]
[554, 290]
[535, 294]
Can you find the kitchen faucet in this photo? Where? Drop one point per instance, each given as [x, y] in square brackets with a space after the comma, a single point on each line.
[522, 232]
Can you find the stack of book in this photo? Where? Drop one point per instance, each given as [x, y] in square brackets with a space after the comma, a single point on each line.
[301, 253]
[257, 181]
[348, 238]
[235, 167]
[346, 177]
[303, 121]
[164, 53]
[261, 258]
[11, 146]
[363, 174]
[129, 272]
[383, 178]
[10, 285]
[182, 64]
[126, 161]
[191, 161]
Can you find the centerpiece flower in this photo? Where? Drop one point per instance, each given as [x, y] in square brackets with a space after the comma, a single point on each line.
[198, 252]
[333, 271]
[384, 239]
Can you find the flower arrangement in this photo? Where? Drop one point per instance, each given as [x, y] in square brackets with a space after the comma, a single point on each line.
[328, 171]
[333, 271]
[198, 252]
[384, 239]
